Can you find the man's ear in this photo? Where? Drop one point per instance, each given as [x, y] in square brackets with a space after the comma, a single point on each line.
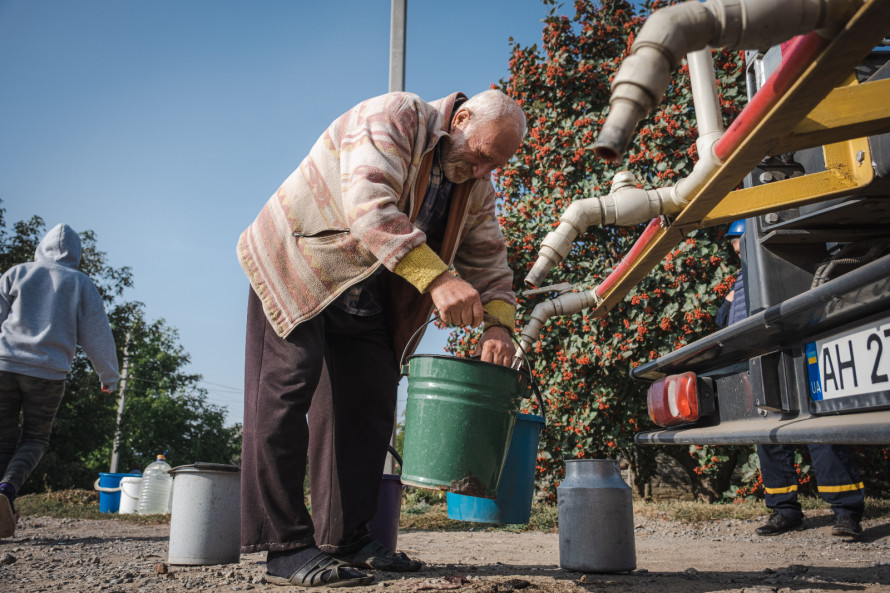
[460, 118]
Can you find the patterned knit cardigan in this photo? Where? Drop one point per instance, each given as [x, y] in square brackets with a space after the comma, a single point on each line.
[348, 209]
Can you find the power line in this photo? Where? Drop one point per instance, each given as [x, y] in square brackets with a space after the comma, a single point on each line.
[217, 386]
[233, 389]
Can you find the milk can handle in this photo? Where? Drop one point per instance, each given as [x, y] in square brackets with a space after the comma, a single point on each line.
[491, 319]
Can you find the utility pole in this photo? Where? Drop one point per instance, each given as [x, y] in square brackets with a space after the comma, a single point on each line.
[115, 453]
[397, 28]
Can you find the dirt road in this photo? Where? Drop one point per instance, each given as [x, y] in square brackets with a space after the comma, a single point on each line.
[56, 555]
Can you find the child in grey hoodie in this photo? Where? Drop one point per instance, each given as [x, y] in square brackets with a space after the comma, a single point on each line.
[47, 308]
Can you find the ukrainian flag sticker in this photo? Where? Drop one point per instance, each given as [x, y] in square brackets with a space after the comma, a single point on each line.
[815, 378]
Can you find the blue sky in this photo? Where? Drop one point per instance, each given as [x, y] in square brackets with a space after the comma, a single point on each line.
[165, 125]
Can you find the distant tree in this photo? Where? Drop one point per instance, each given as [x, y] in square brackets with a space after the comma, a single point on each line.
[165, 409]
[19, 245]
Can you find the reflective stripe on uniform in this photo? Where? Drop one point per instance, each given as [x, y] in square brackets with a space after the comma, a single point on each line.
[782, 490]
[842, 488]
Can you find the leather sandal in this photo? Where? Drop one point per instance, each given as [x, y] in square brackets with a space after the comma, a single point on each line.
[323, 570]
[8, 518]
[376, 556]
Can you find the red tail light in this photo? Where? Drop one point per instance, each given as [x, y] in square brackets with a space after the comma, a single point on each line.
[674, 400]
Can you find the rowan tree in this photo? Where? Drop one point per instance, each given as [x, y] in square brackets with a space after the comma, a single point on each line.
[582, 362]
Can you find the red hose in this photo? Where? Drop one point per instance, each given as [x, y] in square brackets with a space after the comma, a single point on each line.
[631, 256]
[801, 51]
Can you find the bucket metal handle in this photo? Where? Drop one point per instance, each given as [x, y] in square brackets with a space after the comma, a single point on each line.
[530, 375]
[491, 319]
[205, 466]
[537, 392]
[218, 467]
[96, 486]
[487, 317]
[395, 454]
[402, 366]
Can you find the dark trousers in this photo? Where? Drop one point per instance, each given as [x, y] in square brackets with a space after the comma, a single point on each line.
[837, 480]
[36, 402]
[340, 371]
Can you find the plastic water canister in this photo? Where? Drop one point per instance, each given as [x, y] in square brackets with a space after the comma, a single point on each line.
[157, 486]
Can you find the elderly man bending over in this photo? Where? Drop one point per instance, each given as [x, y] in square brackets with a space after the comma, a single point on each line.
[346, 261]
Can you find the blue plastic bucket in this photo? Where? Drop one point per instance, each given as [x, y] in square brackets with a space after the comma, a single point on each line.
[109, 487]
[517, 486]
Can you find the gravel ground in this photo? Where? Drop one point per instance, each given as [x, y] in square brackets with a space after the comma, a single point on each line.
[53, 555]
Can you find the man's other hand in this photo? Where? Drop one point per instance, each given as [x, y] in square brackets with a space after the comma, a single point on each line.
[496, 346]
[457, 301]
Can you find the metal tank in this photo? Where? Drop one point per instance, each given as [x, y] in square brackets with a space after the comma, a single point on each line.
[596, 530]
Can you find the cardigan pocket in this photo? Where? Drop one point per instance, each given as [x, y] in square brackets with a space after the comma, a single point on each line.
[322, 236]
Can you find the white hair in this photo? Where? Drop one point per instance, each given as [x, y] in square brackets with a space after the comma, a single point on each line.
[493, 105]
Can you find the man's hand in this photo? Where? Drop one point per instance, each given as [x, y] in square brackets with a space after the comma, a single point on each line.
[457, 301]
[731, 296]
[496, 346]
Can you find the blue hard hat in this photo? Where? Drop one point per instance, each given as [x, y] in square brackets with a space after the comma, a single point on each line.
[736, 229]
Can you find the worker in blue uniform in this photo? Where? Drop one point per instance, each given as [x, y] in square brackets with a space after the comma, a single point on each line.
[837, 480]
[734, 307]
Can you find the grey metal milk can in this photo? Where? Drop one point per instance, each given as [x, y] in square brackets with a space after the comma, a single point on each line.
[596, 529]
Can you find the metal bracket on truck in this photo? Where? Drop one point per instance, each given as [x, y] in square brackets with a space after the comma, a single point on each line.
[796, 372]
[811, 363]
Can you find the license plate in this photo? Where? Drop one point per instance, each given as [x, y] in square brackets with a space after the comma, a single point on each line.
[851, 363]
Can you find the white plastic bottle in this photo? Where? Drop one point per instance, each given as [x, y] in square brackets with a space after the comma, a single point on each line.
[157, 486]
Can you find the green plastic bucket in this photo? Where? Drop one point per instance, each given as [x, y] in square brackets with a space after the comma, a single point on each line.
[459, 420]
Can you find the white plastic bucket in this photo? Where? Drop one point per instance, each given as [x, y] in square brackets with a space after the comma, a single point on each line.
[205, 521]
[129, 495]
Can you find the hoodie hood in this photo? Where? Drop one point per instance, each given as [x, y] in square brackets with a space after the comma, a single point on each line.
[61, 245]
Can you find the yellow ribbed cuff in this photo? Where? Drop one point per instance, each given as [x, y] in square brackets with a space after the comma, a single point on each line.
[505, 312]
[421, 266]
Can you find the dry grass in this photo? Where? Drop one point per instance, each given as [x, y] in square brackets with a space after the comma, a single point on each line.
[698, 512]
[422, 516]
[75, 504]
[545, 517]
